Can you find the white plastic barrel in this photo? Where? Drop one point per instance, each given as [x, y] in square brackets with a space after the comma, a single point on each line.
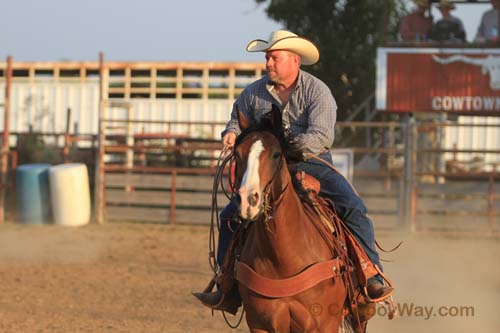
[70, 194]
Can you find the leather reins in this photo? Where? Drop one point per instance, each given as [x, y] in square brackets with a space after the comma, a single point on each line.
[223, 160]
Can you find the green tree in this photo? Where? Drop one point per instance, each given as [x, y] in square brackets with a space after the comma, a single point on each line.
[347, 33]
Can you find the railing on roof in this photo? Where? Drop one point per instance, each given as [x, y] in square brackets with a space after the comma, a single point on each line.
[154, 80]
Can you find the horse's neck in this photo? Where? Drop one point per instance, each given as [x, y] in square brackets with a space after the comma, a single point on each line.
[285, 214]
[287, 241]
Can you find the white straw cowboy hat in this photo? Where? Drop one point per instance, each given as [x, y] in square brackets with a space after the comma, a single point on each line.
[446, 4]
[286, 40]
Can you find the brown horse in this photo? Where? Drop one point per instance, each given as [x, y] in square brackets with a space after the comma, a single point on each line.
[281, 242]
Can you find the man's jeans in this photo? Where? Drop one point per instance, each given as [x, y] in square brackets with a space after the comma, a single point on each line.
[334, 186]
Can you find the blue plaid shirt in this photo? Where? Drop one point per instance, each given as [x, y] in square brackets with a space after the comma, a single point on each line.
[308, 117]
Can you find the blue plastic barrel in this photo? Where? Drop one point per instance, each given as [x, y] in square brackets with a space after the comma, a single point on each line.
[33, 193]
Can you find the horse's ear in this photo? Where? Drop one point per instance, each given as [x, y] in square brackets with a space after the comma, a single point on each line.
[276, 117]
[272, 119]
[243, 120]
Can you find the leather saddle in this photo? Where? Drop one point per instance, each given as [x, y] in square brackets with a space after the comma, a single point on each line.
[363, 266]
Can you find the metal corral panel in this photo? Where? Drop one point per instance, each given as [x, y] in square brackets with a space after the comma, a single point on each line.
[44, 106]
[474, 138]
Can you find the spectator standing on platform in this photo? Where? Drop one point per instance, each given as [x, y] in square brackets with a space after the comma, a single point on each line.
[488, 28]
[416, 26]
[448, 28]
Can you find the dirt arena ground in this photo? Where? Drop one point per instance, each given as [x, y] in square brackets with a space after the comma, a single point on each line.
[138, 278]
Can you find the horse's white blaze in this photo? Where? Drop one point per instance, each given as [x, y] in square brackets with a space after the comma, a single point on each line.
[250, 183]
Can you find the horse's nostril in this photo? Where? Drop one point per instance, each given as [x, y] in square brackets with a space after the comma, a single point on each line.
[253, 199]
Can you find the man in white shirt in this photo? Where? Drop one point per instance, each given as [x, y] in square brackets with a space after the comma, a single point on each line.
[488, 29]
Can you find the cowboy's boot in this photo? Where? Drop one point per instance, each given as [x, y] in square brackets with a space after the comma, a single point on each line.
[207, 296]
[218, 300]
[377, 292]
[210, 299]
[226, 297]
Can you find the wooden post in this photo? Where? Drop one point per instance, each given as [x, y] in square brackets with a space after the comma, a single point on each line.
[490, 201]
[414, 202]
[205, 83]
[232, 83]
[128, 84]
[178, 83]
[142, 151]
[153, 83]
[5, 142]
[391, 157]
[408, 201]
[173, 192]
[99, 165]
[129, 143]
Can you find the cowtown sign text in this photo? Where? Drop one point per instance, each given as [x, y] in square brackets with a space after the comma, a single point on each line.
[438, 79]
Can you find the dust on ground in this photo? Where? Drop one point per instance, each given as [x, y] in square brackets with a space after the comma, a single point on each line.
[123, 277]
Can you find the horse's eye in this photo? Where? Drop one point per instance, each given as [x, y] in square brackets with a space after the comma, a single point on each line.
[276, 155]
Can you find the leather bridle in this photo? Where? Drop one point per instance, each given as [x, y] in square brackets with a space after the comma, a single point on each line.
[267, 198]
